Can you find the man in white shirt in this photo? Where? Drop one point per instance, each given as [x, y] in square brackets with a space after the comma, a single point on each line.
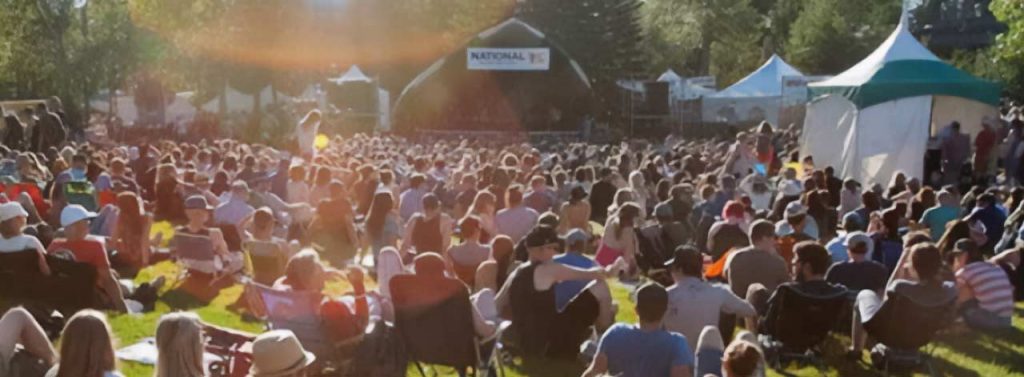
[235, 209]
[694, 303]
[517, 220]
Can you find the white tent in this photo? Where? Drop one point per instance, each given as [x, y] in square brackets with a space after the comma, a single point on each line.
[681, 89]
[180, 109]
[352, 75]
[756, 97]
[876, 118]
[238, 101]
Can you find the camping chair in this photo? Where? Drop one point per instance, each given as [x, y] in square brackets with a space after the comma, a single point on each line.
[801, 323]
[233, 349]
[196, 256]
[439, 330]
[298, 311]
[82, 193]
[70, 286]
[33, 192]
[268, 261]
[902, 327]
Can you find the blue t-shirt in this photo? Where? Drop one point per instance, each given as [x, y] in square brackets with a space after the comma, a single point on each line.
[632, 352]
[937, 217]
[566, 290]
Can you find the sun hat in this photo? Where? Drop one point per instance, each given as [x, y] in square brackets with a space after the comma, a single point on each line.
[11, 210]
[73, 214]
[278, 353]
[794, 209]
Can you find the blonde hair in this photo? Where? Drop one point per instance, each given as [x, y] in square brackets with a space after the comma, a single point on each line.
[179, 343]
[86, 349]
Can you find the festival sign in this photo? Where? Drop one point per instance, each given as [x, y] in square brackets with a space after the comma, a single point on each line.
[508, 59]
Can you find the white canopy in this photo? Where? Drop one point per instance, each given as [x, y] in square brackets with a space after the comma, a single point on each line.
[670, 76]
[354, 74]
[238, 101]
[764, 82]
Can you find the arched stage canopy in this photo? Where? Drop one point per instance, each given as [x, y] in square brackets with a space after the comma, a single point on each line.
[510, 77]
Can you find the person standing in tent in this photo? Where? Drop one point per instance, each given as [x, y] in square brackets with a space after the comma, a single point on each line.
[305, 134]
[956, 149]
[984, 144]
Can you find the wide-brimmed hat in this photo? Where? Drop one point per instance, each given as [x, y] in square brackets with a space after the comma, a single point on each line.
[11, 210]
[278, 353]
[75, 213]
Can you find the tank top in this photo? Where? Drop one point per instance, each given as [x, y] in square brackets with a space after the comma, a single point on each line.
[728, 236]
[426, 235]
[533, 311]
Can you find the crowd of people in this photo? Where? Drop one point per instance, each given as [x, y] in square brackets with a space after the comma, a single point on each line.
[710, 234]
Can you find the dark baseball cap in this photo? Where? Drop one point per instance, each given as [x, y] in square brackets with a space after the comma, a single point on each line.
[540, 236]
[683, 255]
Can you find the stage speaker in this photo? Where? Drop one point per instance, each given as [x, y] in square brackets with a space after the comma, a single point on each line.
[656, 102]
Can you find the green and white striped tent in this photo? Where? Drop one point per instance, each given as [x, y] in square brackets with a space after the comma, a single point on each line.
[875, 118]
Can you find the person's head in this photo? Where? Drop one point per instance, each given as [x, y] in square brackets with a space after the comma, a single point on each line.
[417, 180]
[431, 205]
[263, 220]
[240, 191]
[179, 344]
[304, 271]
[128, 205]
[870, 200]
[686, 261]
[741, 359]
[628, 215]
[810, 261]
[577, 194]
[483, 203]
[514, 196]
[852, 222]
[796, 215]
[197, 209]
[966, 252]
[537, 182]
[925, 262]
[762, 235]
[651, 303]
[278, 353]
[946, 199]
[297, 173]
[891, 221]
[501, 247]
[75, 219]
[86, 348]
[12, 219]
[664, 213]
[576, 240]
[469, 228]
[542, 243]
[734, 211]
[429, 264]
[859, 245]
[955, 126]
[986, 200]
[381, 204]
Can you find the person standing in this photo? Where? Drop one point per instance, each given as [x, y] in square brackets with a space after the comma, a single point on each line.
[984, 144]
[956, 149]
[305, 134]
[602, 195]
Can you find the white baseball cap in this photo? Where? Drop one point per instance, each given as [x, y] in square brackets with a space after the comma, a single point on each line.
[73, 214]
[11, 210]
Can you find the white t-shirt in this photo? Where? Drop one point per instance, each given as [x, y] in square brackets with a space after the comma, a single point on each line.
[20, 243]
[306, 137]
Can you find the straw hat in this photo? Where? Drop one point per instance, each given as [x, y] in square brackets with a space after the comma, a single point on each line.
[278, 353]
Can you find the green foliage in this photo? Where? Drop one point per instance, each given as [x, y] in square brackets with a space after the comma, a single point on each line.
[829, 36]
[1005, 60]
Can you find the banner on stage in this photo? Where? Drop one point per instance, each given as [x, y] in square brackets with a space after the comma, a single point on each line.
[508, 59]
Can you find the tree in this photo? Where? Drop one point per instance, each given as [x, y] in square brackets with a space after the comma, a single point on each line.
[701, 37]
[602, 35]
[829, 36]
[1005, 59]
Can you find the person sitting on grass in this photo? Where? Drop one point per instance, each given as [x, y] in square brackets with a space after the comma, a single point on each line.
[90, 250]
[985, 294]
[86, 348]
[306, 273]
[198, 212]
[644, 349]
[18, 328]
[528, 299]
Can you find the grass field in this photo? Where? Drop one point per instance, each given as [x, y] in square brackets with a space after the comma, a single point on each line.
[961, 354]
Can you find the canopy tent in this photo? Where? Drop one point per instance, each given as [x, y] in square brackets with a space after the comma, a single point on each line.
[875, 119]
[354, 74]
[754, 98]
[235, 100]
[180, 109]
[681, 89]
[454, 93]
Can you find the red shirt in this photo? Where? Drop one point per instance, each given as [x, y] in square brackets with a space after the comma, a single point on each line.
[984, 142]
[88, 250]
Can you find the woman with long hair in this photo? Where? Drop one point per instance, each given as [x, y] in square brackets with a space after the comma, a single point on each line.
[576, 212]
[382, 225]
[169, 205]
[86, 347]
[493, 273]
[483, 207]
[619, 237]
[179, 344]
[130, 234]
[924, 200]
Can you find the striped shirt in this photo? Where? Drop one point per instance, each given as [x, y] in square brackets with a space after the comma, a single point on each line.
[990, 285]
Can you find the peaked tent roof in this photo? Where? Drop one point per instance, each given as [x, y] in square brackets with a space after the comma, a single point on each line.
[764, 82]
[902, 67]
[353, 74]
[669, 76]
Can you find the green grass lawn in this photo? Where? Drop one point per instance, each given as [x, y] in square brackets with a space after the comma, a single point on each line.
[962, 354]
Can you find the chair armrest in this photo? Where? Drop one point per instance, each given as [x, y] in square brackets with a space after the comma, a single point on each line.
[504, 325]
